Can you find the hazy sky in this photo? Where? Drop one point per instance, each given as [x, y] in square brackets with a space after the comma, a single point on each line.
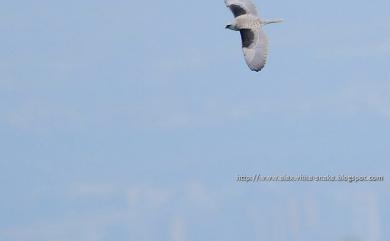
[130, 120]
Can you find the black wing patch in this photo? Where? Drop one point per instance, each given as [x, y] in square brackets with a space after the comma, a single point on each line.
[237, 10]
[247, 37]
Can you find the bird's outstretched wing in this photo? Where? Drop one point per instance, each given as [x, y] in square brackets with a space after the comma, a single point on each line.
[241, 7]
[255, 48]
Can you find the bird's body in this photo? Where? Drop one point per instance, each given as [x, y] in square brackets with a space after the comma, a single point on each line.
[247, 21]
[254, 40]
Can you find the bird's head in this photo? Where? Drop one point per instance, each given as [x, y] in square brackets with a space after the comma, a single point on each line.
[231, 26]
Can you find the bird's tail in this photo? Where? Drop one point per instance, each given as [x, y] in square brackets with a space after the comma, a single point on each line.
[268, 21]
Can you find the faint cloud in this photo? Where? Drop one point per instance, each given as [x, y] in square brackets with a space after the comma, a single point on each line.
[357, 49]
[311, 212]
[183, 61]
[294, 215]
[364, 97]
[43, 117]
[198, 194]
[148, 196]
[95, 190]
[373, 219]
[358, 97]
[76, 227]
[178, 229]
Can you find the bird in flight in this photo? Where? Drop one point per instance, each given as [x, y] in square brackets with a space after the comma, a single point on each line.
[248, 22]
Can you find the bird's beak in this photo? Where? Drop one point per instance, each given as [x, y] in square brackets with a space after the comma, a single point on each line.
[227, 26]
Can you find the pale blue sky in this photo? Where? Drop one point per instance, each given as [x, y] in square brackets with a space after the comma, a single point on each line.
[129, 120]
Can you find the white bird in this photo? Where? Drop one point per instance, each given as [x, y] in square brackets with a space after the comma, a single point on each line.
[254, 40]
